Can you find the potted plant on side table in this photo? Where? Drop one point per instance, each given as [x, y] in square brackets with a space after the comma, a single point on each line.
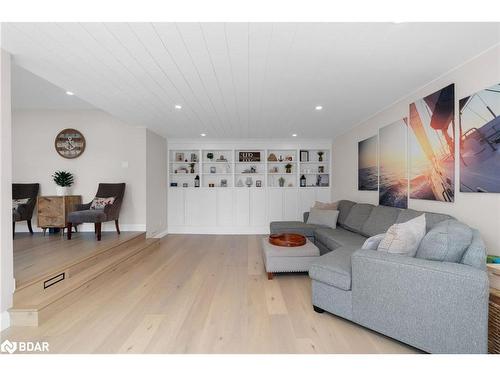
[63, 181]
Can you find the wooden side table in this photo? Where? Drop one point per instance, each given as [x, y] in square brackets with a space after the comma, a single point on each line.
[494, 310]
[53, 210]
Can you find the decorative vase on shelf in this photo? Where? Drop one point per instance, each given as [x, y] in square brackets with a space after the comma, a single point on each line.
[249, 181]
[281, 182]
[320, 155]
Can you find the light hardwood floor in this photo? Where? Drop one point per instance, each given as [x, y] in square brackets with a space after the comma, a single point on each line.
[200, 294]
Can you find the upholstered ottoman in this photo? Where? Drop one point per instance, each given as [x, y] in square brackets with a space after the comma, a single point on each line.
[288, 259]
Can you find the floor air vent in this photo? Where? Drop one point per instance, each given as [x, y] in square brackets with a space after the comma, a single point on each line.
[53, 280]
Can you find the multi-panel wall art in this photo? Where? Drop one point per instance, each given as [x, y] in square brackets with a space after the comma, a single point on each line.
[393, 185]
[480, 141]
[367, 164]
[432, 146]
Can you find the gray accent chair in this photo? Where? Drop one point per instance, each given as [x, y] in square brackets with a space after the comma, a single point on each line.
[83, 213]
[24, 211]
[435, 306]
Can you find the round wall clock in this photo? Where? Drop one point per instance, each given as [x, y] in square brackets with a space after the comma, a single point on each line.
[70, 143]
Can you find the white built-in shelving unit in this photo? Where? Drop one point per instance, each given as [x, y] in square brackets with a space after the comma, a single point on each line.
[240, 190]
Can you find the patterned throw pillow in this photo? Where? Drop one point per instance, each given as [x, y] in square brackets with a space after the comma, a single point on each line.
[100, 203]
[404, 238]
[17, 202]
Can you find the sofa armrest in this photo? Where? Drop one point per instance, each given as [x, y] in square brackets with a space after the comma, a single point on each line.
[306, 216]
[438, 307]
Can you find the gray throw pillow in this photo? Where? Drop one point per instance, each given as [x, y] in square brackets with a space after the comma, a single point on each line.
[446, 242]
[326, 218]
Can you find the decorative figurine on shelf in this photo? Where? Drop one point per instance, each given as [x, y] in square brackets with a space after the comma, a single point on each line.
[194, 158]
[281, 158]
[210, 155]
[249, 181]
[321, 169]
[272, 157]
[289, 158]
[213, 170]
[288, 168]
[221, 158]
[191, 165]
[281, 181]
[320, 155]
[223, 183]
[274, 170]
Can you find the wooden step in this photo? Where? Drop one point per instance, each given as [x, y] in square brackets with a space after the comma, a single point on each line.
[36, 301]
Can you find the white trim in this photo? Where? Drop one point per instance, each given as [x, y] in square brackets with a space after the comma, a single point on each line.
[21, 227]
[161, 234]
[5, 320]
[185, 229]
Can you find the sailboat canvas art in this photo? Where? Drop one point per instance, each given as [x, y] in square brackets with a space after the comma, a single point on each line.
[393, 184]
[432, 146]
[367, 164]
[480, 141]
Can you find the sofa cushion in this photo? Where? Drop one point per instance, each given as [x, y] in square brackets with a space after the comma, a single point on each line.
[431, 218]
[293, 227]
[446, 242]
[475, 255]
[334, 268]
[334, 238]
[323, 217]
[380, 219]
[344, 208]
[87, 216]
[357, 216]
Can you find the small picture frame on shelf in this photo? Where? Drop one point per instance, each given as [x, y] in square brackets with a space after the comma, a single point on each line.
[213, 170]
[194, 158]
[223, 183]
[258, 183]
[304, 155]
[179, 156]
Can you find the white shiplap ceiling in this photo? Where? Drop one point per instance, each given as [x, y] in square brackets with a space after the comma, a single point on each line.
[244, 79]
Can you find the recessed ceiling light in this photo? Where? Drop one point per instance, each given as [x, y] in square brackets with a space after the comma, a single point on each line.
[70, 93]
[318, 107]
[294, 135]
[203, 134]
[178, 106]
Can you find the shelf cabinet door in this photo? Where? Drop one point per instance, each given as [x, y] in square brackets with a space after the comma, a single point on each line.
[258, 207]
[275, 204]
[323, 194]
[176, 200]
[307, 197]
[201, 205]
[291, 204]
[225, 204]
[242, 206]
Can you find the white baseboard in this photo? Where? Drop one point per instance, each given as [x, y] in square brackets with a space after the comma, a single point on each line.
[88, 227]
[4, 320]
[184, 229]
[161, 234]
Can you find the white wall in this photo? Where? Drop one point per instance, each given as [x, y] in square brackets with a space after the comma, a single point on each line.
[6, 250]
[156, 184]
[115, 152]
[481, 211]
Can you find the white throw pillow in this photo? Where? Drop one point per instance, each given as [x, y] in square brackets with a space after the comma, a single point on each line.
[373, 242]
[323, 217]
[404, 238]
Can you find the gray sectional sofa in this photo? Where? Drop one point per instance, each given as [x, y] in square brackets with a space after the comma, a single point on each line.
[438, 307]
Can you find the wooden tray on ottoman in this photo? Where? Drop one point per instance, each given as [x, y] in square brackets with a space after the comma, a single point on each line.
[287, 240]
